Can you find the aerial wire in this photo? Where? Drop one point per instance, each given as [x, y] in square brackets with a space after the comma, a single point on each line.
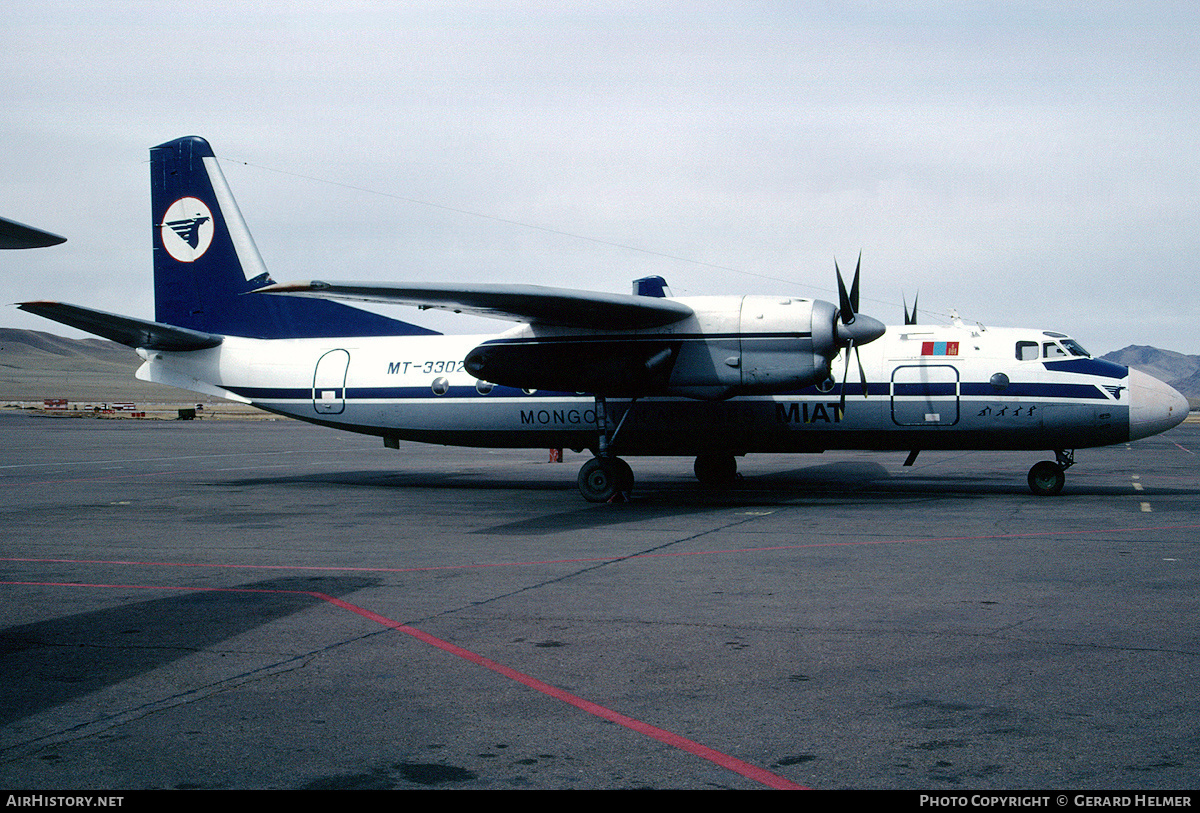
[537, 227]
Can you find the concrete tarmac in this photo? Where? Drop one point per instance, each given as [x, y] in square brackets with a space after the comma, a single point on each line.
[267, 604]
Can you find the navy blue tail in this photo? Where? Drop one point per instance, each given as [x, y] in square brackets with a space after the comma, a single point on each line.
[205, 261]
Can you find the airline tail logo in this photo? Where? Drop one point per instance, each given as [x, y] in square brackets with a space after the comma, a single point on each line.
[187, 229]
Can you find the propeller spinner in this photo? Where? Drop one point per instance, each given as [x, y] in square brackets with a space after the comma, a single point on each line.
[852, 328]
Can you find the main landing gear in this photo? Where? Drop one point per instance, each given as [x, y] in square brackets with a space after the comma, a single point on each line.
[606, 478]
[1048, 477]
[602, 479]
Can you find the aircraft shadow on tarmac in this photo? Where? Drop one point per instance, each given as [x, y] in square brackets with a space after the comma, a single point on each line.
[842, 478]
[52, 662]
[677, 494]
[829, 477]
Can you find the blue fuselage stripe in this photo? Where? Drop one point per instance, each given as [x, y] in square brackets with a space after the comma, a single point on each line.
[932, 390]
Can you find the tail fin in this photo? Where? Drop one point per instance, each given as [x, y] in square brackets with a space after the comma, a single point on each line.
[205, 260]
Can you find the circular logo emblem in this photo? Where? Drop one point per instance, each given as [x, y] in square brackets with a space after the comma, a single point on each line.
[187, 229]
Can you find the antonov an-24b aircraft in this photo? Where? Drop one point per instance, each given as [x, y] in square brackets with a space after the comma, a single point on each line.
[714, 377]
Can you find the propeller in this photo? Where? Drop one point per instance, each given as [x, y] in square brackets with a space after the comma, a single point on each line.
[852, 328]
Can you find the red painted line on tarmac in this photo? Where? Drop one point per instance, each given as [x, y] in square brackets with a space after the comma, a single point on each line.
[724, 760]
[613, 558]
[718, 758]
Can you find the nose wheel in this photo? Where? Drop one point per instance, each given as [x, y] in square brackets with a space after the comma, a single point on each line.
[1048, 477]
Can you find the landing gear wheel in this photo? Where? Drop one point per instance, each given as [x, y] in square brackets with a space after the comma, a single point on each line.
[624, 475]
[716, 469]
[601, 479]
[1046, 478]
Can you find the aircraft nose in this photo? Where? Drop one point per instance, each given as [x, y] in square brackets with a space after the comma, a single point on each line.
[1153, 406]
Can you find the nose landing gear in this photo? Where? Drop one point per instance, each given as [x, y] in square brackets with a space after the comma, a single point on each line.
[1047, 478]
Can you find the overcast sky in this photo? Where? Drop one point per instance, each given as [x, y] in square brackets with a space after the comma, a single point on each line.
[1026, 163]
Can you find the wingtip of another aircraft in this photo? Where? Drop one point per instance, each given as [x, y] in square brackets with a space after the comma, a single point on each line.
[19, 235]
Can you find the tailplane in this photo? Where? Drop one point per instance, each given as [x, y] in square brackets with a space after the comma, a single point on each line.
[205, 261]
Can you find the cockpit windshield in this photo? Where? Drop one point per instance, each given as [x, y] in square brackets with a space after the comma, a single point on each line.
[1075, 348]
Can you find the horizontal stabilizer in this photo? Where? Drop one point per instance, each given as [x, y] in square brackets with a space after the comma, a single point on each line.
[562, 307]
[124, 329]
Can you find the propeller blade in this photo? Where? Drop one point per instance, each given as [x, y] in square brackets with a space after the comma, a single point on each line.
[847, 307]
[910, 318]
[845, 378]
[848, 301]
[854, 285]
[862, 374]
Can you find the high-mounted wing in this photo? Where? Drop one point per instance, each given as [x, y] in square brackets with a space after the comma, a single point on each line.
[561, 307]
[124, 329]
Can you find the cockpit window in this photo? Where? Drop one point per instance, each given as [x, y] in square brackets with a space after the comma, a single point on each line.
[1075, 348]
[1027, 351]
[1062, 348]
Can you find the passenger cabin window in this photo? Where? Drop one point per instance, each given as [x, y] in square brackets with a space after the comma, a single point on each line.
[1027, 351]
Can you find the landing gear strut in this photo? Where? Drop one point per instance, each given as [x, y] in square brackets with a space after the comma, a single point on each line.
[1048, 477]
[605, 477]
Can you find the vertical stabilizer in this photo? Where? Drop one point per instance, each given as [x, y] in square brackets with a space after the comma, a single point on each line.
[205, 261]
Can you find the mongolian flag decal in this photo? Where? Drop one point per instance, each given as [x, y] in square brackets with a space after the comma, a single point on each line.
[939, 348]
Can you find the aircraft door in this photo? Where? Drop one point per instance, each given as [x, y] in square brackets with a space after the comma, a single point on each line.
[329, 382]
[925, 395]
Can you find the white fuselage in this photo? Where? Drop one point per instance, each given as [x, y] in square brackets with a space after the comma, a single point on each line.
[928, 387]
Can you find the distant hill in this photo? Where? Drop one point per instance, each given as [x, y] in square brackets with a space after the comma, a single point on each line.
[1180, 371]
[36, 365]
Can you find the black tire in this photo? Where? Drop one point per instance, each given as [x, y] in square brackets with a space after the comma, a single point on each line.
[716, 469]
[1046, 478]
[598, 480]
[624, 475]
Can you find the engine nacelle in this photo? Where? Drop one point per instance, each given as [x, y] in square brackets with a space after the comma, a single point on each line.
[731, 345]
[756, 345]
